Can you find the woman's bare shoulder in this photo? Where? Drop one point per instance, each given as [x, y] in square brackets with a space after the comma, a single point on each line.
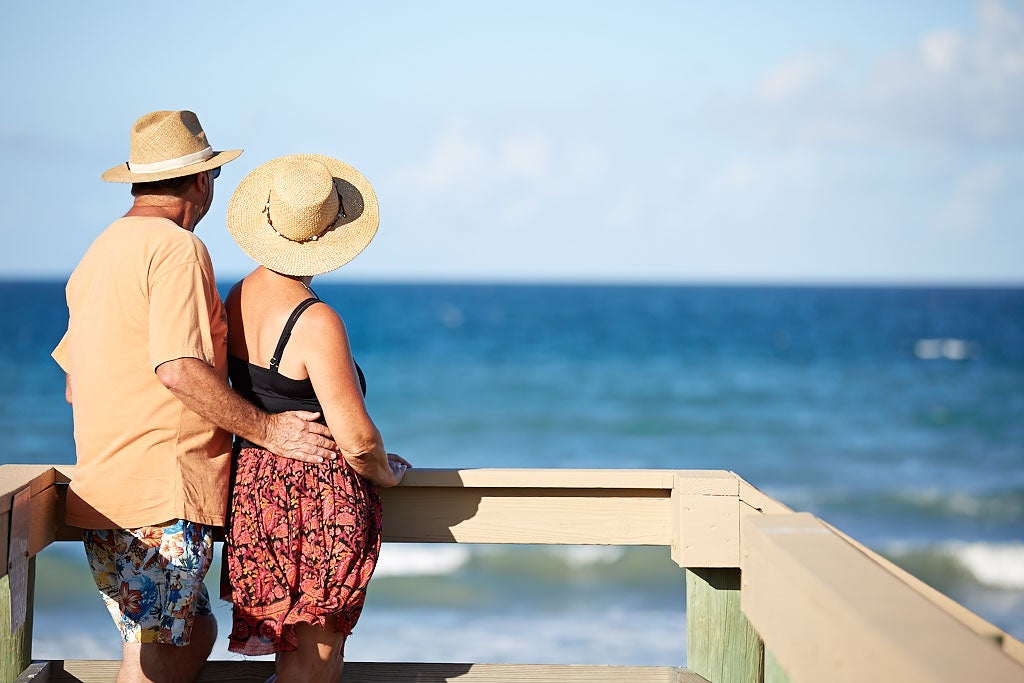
[320, 320]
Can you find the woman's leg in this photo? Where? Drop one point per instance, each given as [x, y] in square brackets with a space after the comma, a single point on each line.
[318, 658]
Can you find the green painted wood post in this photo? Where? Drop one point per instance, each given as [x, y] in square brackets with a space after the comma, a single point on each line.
[16, 647]
[721, 645]
[773, 673]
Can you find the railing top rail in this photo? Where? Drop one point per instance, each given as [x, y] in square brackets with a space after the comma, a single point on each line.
[798, 573]
[562, 478]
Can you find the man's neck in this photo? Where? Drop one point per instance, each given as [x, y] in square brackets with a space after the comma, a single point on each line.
[174, 209]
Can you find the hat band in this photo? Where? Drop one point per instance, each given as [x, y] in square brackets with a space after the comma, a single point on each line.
[311, 238]
[171, 164]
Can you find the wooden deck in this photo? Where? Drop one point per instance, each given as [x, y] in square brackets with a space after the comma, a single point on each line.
[773, 596]
[95, 671]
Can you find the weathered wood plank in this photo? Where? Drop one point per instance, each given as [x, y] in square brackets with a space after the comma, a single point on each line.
[19, 599]
[16, 646]
[755, 500]
[544, 478]
[721, 645]
[13, 478]
[704, 515]
[42, 529]
[37, 672]
[705, 519]
[516, 478]
[705, 530]
[773, 672]
[5, 540]
[105, 671]
[1010, 645]
[828, 612]
[36, 482]
[43, 519]
[1013, 648]
[706, 483]
[545, 516]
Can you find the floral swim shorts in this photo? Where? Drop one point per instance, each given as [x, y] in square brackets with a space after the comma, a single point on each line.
[151, 578]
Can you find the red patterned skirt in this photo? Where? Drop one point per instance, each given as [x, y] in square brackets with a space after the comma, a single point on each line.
[301, 547]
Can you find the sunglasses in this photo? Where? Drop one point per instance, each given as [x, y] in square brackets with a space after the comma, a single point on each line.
[215, 173]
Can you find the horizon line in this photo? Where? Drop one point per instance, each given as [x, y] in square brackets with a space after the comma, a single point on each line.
[878, 283]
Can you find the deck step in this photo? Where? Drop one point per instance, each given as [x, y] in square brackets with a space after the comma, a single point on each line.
[105, 671]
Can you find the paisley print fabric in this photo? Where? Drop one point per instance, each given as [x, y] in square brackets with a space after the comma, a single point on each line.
[151, 578]
[302, 544]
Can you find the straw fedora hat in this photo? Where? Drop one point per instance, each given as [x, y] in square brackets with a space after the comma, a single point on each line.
[167, 144]
[303, 214]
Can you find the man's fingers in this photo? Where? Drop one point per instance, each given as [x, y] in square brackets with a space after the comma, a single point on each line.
[310, 424]
[321, 429]
[305, 457]
[326, 451]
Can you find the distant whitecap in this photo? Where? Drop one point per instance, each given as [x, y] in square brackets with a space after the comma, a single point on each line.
[928, 349]
[994, 564]
[418, 559]
[948, 348]
[955, 349]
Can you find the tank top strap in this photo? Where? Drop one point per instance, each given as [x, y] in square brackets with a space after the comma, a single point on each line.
[286, 333]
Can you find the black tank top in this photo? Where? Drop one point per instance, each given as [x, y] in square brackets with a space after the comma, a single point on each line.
[268, 389]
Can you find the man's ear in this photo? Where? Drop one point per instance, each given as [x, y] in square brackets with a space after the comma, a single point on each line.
[202, 181]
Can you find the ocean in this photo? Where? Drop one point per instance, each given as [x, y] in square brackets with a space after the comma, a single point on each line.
[896, 414]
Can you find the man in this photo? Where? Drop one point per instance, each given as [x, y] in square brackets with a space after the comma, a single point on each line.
[145, 358]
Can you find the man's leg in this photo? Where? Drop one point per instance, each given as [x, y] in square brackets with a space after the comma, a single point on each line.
[156, 663]
[151, 579]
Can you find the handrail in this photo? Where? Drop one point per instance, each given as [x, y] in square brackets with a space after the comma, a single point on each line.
[772, 594]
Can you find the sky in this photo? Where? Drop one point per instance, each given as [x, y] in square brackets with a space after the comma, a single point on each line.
[556, 140]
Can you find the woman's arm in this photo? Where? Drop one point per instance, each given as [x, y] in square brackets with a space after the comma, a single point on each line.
[294, 434]
[321, 338]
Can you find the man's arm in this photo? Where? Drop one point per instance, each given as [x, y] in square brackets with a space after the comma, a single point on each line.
[292, 434]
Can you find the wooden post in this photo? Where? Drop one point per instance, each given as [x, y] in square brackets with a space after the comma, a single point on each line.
[15, 647]
[773, 672]
[721, 645]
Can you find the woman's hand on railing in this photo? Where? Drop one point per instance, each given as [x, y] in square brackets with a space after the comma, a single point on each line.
[399, 466]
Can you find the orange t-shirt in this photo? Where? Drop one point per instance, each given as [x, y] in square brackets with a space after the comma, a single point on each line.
[143, 294]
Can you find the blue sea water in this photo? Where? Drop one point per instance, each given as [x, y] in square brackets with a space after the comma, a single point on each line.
[896, 414]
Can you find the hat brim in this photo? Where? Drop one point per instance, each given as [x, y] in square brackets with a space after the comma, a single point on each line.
[339, 244]
[122, 174]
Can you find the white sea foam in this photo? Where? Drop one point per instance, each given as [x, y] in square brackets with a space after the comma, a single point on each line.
[959, 503]
[75, 635]
[998, 565]
[589, 555]
[994, 565]
[602, 634]
[420, 559]
[428, 559]
[948, 348]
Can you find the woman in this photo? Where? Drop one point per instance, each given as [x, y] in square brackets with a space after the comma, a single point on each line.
[303, 538]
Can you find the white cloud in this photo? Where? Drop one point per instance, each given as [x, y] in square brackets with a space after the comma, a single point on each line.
[456, 160]
[508, 176]
[941, 50]
[826, 159]
[468, 165]
[953, 88]
[523, 157]
[586, 162]
[795, 77]
[969, 208]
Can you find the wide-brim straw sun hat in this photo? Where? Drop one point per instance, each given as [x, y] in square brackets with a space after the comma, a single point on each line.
[167, 144]
[303, 214]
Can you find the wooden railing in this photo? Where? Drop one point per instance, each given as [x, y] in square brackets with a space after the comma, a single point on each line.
[773, 596]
